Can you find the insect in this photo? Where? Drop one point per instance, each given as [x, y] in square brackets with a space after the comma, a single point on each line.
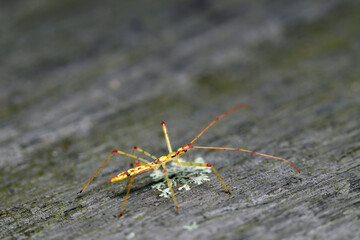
[143, 165]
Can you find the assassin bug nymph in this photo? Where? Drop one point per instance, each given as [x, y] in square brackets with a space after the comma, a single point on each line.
[143, 165]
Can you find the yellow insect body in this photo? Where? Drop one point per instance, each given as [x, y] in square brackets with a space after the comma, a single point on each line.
[129, 173]
[174, 156]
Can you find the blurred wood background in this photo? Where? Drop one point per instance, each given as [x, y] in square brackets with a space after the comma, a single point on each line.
[81, 78]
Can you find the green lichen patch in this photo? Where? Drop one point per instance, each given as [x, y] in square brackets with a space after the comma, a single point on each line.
[182, 177]
[191, 227]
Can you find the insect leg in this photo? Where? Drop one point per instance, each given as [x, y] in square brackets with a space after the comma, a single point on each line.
[204, 165]
[171, 189]
[128, 191]
[142, 151]
[166, 136]
[119, 152]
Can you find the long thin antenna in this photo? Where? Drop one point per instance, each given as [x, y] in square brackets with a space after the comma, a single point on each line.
[218, 118]
[244, 150]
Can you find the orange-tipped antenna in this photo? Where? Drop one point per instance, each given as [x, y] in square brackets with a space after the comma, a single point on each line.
[244, 150]
[218, 118]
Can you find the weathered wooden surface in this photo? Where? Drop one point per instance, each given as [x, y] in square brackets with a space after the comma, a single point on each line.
[80, 79]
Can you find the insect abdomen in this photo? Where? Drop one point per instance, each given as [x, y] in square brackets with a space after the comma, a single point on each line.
[129, 173]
